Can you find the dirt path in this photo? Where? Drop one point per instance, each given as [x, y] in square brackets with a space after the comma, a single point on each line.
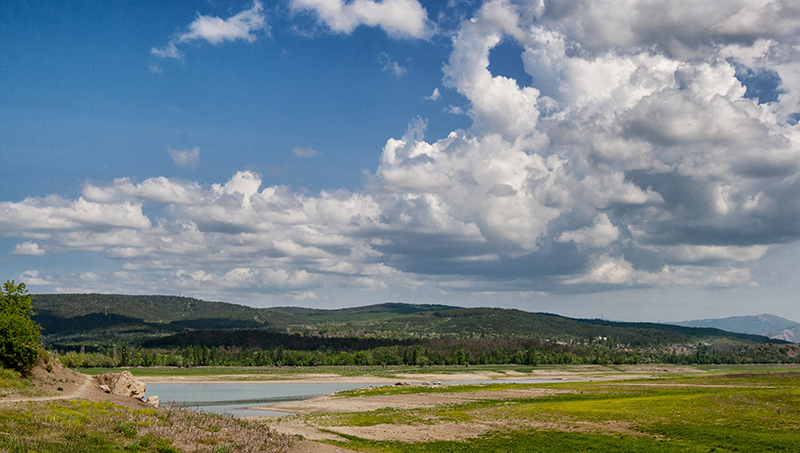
[81, 390]
[56, 382]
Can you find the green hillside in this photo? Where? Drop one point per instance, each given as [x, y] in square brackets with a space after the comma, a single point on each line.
[150, 309]
[102, 316]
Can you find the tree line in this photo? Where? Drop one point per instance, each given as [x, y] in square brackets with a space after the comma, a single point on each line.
[426, 352]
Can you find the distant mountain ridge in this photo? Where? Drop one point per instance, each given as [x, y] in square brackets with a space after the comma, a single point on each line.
[792, 335]
[763, 324]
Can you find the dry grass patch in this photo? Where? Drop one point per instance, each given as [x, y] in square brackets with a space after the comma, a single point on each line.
[79, 426]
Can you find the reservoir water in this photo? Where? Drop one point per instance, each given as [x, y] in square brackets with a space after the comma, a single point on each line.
[236, 398]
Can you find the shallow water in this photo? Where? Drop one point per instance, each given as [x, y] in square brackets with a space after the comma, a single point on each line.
[236, 398]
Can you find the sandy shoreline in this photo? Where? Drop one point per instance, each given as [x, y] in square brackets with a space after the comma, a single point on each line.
[588, 373]
[314, 379]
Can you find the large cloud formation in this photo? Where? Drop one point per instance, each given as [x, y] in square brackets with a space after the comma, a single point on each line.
[656, 145]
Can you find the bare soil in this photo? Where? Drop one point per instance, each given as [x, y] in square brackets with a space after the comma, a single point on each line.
[332, 403]
[316, 429]
[312, 428]
[53, 381]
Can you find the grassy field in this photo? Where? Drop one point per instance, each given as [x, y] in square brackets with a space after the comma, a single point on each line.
[88, 427]
[741, 412]
[679, 409]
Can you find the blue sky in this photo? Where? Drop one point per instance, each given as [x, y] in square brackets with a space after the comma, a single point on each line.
[635, 160]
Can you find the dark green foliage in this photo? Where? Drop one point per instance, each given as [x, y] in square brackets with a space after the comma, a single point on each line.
[149, 309]
[19, 335]
[53, 324]
[262, 339]
[667, 331]
[198, 349]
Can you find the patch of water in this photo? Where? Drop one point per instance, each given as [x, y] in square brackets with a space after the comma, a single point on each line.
[237, 398]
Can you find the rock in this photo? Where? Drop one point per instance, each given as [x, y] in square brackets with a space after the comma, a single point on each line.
[122, 384]
[152, 400]
[105, 388]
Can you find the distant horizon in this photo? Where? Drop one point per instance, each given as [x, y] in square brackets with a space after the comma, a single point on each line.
[601, 317]
[635, 160]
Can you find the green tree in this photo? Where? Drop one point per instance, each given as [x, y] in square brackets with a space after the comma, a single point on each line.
[19, 336]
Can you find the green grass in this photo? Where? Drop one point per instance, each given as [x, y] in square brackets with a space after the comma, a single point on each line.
[12, 383]
[415, 389]
[528, 442]
[83, 426]
[742, 412]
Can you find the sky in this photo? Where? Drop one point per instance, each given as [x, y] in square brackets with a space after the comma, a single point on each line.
[634, 160]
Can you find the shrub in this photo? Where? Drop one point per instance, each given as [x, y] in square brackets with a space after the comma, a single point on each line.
[20, 345]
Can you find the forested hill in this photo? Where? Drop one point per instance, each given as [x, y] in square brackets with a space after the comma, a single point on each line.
[103, 315]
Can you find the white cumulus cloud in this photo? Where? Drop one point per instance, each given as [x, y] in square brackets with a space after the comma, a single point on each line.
[216, 30]
[398, 18]
[637, 156]
[28, 248]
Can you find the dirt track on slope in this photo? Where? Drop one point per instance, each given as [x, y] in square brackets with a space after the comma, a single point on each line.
[56, 382]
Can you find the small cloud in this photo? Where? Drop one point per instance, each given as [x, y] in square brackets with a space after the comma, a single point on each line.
[305, 295]
[304, 152]
[154, 69]
[607, 270]
[601, 234]
[28, 248]
[455, 110]
[186, 158]
[90, 277]
[400, 19]
[390, 65]
[216, 30]
[436, 95]
[31, 277]
[169, 51]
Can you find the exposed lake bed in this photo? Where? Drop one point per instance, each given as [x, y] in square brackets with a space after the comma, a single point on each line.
[611, 408]
[273, 392]
[257, 399]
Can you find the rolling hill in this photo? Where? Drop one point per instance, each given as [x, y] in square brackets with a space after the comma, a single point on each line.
[86, 316]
